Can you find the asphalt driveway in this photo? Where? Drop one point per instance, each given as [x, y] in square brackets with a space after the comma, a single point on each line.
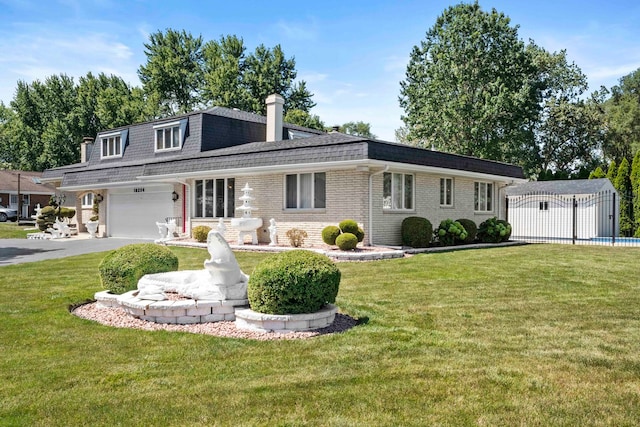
[18, 251]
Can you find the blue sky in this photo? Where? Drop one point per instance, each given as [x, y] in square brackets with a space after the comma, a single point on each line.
[353, 54]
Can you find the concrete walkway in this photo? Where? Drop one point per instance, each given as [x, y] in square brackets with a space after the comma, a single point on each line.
[18, 251]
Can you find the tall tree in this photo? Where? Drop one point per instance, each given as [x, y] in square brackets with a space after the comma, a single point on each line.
[569, 130]
[358, 129]
[223, 71]
[635, 189]
[622, 184]
[597, 173]
[302, 118]
[470, 88]
[623, 114]
[174, 70]
[612, 171]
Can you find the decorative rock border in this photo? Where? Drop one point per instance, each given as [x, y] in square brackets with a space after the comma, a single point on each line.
[181, 312]
[252, 320]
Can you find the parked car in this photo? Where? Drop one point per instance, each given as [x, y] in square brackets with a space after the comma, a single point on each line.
[8, 214]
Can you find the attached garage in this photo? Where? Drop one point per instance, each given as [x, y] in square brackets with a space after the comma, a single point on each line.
[133, 211]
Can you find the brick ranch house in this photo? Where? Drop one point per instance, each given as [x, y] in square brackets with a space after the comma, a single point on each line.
[193, 167]
[28, 186]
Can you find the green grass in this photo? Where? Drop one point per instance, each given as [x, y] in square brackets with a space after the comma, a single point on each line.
[538, 335]
[11, 230]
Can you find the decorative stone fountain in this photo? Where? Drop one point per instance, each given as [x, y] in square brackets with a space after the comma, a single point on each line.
[246, 225]
[208, 295]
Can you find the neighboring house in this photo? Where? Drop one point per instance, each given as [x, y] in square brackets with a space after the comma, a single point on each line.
[30, 187]
[192, 167]
[580, 209]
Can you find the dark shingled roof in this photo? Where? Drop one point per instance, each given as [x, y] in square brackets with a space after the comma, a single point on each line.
[575, 186]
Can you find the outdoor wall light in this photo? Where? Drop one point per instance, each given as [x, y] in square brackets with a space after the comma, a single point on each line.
[99, 198]
[175, 196]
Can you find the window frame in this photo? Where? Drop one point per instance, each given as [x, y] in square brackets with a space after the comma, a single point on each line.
[228, 200]
[313, 197]
[82, 200]
[393, 197]
[175, 144]
[113, 141]
[443, 192]
[484, 204]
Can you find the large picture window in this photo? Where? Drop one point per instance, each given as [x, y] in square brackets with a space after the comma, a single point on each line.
[168, 137]
[483, 193]
[306, 191]
[397, 193]
[215, 198]
[111, 146]
[446, 192]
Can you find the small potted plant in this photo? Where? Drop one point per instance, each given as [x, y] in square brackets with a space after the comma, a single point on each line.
[92, 224]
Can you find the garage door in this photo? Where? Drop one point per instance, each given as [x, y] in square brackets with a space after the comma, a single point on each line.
[134, 212]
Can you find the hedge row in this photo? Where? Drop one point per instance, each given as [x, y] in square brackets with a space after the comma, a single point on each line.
[418, 232]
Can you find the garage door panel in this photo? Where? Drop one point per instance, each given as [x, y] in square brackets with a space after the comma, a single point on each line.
[135, 214]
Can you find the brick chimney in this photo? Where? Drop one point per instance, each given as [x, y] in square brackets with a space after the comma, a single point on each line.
[85, 148]
[274, 117]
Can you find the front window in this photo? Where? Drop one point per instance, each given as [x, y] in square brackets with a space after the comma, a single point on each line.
[87, 200]
[397, 193]
[111, 146]
[215, 198]
[483, 193]
[168, 137]
[446, 192]
[306, 190]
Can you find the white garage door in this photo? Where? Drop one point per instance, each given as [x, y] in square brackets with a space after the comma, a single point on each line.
[134, 212]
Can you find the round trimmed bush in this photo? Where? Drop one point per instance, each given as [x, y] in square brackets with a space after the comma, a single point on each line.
[200, 233]
[471, 228]
[329, 234]
[507, 235]
[347, 241]
[494, 230]
[451, 232]
[360, 234]
[348, 226]
[121, 269]
[416, 232]
[293, 282]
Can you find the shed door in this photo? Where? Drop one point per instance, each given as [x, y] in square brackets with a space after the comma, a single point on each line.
[134, 212]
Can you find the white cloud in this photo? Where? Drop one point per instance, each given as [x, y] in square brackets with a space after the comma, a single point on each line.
[297, 30]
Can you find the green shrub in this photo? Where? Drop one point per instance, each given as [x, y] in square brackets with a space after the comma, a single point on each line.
[347, 241]
[47, 217]
[451, 232]
[416, 231]
[293, 282]
[329, 234]
[348, 226]
[296, 237]
[471, 228]
[507, 236]
[200, 233]
[66, 213]
[360, 234]
[121, 269]
[494, 230]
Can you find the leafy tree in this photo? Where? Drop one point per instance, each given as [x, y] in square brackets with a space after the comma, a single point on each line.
[597, 173]
[236, 80]
[623, 114]
[223, 71]
[470, 88]
[569, 129]
[612, 171]
[622, 184]
[302, 118]
[358, 129]
[43, 127]
[174, 70]
[635, 188]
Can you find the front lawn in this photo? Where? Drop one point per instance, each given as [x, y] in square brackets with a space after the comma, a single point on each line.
[532, 335]
[11, 230]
